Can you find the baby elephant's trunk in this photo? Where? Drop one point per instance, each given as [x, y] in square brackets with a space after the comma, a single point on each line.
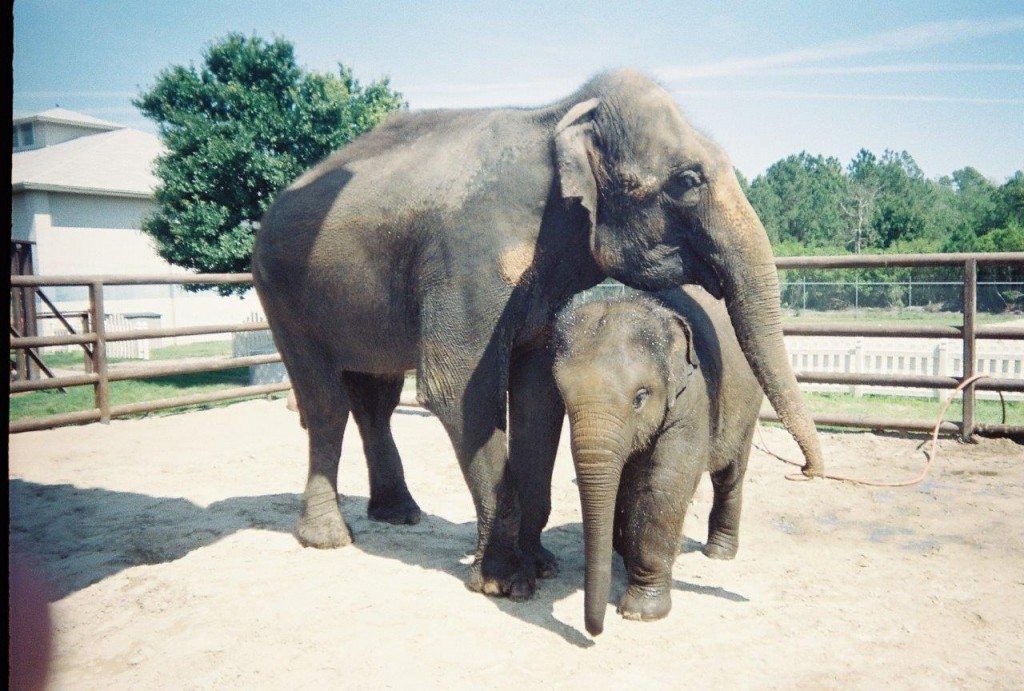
[599, 452]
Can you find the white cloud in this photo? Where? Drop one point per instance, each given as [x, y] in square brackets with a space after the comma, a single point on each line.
[800, 62]
[905, 68]
[469, 95]
[825, 95]
[902, 40]
[76, 94]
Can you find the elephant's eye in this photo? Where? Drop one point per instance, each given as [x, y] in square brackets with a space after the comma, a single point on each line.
[640, 398]
[682, 182]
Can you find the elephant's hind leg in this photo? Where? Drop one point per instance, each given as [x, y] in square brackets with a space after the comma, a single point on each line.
[374, 398]
[324, 407]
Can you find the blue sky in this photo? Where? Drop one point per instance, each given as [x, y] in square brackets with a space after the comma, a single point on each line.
[943, 80]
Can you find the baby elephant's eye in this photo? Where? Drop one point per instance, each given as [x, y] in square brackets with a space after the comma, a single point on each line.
[641, 397]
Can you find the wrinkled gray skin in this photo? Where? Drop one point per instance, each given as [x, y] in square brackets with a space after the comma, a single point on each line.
[445, 241]
[656, 395]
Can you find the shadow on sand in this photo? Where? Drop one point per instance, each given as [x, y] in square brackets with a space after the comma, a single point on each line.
[109, 531]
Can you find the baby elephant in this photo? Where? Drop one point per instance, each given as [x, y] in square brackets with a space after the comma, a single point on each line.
[657, 392]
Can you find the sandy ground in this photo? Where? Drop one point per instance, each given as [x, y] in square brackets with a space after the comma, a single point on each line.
[169, 545]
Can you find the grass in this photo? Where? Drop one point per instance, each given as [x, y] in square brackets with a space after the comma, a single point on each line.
[75, 359]
[882, 317]
[204, 349]
[53, 402]
[908, 407]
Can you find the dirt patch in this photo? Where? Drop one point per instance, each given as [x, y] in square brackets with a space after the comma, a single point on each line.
[169, 546]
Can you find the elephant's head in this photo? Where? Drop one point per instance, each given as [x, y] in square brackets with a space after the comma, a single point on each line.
[664, 208]
[621, 367]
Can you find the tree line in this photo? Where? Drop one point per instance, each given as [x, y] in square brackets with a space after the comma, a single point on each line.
[813, 204]
[884, 204]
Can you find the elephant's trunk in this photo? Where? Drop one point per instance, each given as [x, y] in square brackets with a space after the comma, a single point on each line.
[599, 452]
[743, 259]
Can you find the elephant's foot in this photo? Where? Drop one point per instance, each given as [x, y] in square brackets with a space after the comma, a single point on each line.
[645, 604]
[395, 506]
[546, 564]
[321, 525]
[503, 576]
[720, 547]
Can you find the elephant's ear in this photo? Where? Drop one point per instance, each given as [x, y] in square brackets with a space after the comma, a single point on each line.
[574, 144]
[682, 358]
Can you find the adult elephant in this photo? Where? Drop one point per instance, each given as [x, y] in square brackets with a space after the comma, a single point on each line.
[445, 241]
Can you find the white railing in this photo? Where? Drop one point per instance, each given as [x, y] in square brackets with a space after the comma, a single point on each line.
[246, 343]
[902, 356]
[127, 350]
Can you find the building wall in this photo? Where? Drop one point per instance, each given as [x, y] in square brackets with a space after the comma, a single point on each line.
[29, 211]
[92, 234]
[50, 133]
[93, 211]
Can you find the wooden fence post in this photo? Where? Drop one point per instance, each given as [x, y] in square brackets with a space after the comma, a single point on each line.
[970, 344]
[87, 358]
[99, 351]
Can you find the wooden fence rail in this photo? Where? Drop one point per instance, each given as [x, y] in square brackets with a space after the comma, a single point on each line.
[100, 377]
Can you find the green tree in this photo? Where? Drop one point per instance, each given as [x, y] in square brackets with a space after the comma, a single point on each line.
[1010, 200]
[901, 209]
[858, 205]
[238, 129]
[975, 209]
[992, 220]
[1008, 239]
[796, 199]
[978, 199]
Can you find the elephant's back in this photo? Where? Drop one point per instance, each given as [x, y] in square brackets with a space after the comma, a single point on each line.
[411, 161]
[413, 169]
[734, 392]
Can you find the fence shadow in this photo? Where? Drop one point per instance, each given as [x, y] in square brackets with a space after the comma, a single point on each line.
[118, 530]
[79, 536]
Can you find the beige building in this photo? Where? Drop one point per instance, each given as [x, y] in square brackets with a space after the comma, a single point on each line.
[80, 190]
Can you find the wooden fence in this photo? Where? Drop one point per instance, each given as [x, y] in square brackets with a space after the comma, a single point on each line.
[95, 344]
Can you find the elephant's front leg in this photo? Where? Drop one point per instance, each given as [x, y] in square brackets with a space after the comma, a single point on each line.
[724, 520]
[655, 519]
[466, 389]
[535, 425]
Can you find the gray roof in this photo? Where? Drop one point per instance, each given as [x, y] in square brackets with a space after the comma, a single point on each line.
[114, 163]
[67, 117]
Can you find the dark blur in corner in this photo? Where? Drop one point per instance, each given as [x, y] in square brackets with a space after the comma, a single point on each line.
[29, 629]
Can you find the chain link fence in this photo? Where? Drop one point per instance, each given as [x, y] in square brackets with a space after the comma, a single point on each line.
[931, 296]
[994, 297]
